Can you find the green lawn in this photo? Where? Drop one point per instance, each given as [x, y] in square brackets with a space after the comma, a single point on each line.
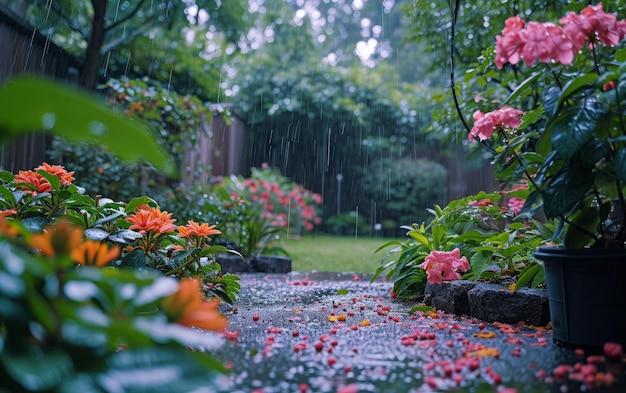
[335, 253]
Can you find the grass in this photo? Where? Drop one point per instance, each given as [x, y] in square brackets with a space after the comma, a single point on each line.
[335, 253]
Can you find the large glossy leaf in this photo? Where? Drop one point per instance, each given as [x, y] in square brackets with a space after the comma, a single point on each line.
[135, 259]
[580, 82]
[564, 191]
[35, 104]
[574, 127]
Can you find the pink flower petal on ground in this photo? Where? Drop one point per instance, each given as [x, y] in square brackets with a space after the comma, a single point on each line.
[347, 389]
[613, 350]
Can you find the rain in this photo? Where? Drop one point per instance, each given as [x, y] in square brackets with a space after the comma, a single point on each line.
[289, 158]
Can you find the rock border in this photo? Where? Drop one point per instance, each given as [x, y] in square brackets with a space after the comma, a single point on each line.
[490, 302]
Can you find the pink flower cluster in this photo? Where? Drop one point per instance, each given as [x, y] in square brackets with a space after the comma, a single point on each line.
[547, 42]
[444, 265]
[279, 202]
[500, 119]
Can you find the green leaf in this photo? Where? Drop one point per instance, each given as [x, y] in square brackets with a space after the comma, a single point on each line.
[527, 275]
[581, 81]
[583, 223]
[531, 117]
[54, 180]
[34, 224]
[96, 234]
[480, 263]
[142, 370]
[32, 103]
[343, 291]
[124, 236]
[421, 309]
[620, 55]
[574, 127]
[619, 164]
[134, 259]
[566, 189]
[6, 176]
[522, 86]
[136, 202]
[38, 369]
[108, 218]
[8, 195]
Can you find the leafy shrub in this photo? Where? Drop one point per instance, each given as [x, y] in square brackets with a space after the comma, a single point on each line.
[351, 223]
[498, 243]
[404, 188]
[175, 120]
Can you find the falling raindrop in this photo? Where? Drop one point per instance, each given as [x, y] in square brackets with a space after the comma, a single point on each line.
[97, 128]
[48, 120]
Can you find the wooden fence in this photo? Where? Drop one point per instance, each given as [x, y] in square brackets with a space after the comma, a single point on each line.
[24, 50]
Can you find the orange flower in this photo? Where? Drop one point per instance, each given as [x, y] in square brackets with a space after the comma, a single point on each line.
[59, 239]
[25, 178]
[187, 308]
[93, 253]
[194, 229]
[59, 171]
[151, 219]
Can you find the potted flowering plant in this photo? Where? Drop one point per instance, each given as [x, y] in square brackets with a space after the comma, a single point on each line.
[562, 129]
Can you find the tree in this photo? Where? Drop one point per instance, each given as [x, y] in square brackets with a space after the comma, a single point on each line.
[108, 35]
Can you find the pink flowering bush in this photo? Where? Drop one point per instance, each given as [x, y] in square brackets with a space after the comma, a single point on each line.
[285, 203]
[479, 237]
[257, 211]
[562, 126]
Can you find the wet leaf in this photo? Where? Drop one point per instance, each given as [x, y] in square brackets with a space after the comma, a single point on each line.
[37, 369]
[78, 116]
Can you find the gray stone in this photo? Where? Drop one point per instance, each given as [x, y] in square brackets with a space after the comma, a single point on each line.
[271, 264]
[492, 302]
[450, 297]
[233, 264]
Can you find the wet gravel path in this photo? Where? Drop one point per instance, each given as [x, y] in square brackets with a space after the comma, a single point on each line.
[333, 332]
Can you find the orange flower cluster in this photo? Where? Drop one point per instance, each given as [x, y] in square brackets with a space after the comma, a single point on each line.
[194, 229]
[93, 253]
[151, 219]
[63, 238]
[186, 307]
[27, 180]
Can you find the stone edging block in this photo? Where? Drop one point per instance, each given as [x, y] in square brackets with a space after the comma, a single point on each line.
[490, 302]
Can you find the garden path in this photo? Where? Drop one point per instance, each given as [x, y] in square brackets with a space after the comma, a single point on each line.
[336, 332]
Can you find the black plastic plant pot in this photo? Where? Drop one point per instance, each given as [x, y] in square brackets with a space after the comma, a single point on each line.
[586, 294]
[271, 264]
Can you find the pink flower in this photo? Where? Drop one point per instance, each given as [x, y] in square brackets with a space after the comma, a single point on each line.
[515, 205]
[444, 265]
[547, 42]
[500, 119]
